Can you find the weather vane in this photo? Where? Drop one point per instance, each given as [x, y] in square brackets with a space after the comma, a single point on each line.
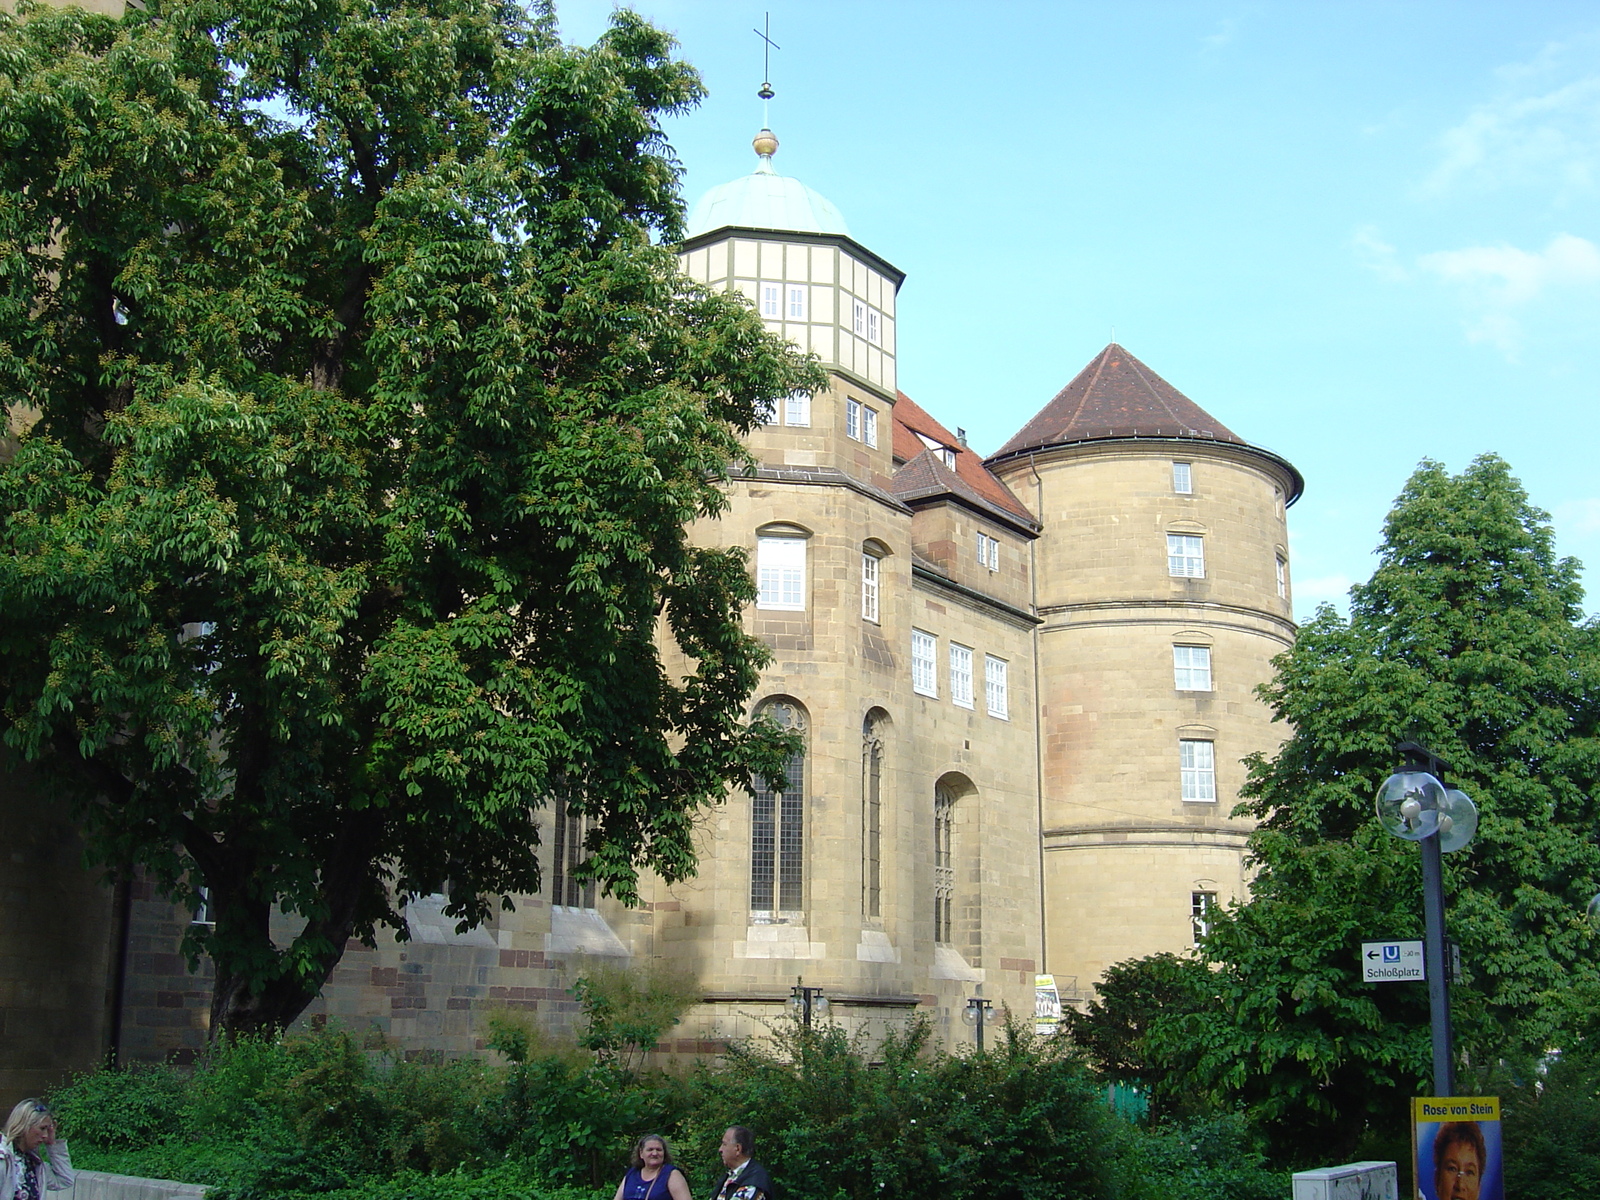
[766, 92]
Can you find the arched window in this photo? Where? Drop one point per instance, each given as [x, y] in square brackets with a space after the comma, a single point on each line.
[777, 829]
[944, 871]
[872, 734]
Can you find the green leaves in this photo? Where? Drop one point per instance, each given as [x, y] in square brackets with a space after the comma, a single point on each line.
[365, 418]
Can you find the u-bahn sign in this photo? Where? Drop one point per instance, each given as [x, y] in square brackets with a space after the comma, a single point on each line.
[1391, 962]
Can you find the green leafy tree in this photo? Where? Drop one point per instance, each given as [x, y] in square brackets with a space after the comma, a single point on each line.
[359, 409]
[1469, 638]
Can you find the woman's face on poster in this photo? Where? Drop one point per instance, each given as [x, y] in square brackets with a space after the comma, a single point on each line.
[1460, 1173]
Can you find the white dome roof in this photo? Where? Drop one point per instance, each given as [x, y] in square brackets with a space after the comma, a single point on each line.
[764, 199]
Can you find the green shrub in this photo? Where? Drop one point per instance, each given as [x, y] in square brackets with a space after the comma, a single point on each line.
[1551, 1126]
[1214, 1158]
[120, 1109]
[1023, 1120]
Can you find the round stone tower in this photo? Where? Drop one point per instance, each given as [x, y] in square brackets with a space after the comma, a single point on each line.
[1162, 579]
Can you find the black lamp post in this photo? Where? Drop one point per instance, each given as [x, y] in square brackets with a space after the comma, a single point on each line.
[975, 1014]
[1413, 804]
[804, 1000]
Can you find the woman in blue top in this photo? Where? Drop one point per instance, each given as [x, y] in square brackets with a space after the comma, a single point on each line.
[651, 1176]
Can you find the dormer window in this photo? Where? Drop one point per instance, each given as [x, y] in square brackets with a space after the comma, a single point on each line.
[948, 456]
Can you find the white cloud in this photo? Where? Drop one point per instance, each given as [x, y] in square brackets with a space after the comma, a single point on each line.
[1494, 281]
[1377, 255]
[1516, 276]
[1542, 129]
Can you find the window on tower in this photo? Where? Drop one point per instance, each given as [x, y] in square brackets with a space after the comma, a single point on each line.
[770, 303]
[797, 302]
[924, 668]
[781, 573]
[1197, 764]
[1191, 668]
[1186, 556]
[1182, 482]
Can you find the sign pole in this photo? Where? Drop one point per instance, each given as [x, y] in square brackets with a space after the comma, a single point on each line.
[1433, 954]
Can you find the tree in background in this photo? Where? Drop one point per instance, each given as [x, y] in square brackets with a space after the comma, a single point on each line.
[359, 410]
[1469, 638]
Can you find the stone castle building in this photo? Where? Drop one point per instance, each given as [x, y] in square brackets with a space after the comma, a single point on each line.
[1024, 685]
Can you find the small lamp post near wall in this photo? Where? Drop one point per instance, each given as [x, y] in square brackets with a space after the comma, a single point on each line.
[976, 1014]
[803, 1001]
[1415, 805]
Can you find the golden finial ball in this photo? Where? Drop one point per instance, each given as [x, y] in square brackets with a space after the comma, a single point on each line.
[766, 143]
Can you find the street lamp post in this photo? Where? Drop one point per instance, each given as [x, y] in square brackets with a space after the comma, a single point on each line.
[805, 1000]
[1413, 804]
[976, 1014]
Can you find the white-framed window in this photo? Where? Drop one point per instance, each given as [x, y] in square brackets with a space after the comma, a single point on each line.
[869, 425]
[869, 585]
[770, 302]
[924, 668]
[961, 675]
[1200, 906]
[852, 419]
[995, 689]
[1182, 478]
[797, 409]
[859, 317]
[874, 326]
[1197, 764]
[861, 422]
[948, 456]
[1283, 578]
[781, 573]
[1191, 668]
[797, 302]
[767, 412]
[988, 552]
[1186, 556]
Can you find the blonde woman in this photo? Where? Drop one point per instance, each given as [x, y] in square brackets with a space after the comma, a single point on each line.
[652, 1175]
[24, 1173]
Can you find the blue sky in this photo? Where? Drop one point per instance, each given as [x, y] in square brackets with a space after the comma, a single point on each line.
[1359, 234]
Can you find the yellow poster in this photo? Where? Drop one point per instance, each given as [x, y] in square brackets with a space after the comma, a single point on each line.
[1456, 1149]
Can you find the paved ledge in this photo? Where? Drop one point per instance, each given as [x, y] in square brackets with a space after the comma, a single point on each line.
[101, 1185]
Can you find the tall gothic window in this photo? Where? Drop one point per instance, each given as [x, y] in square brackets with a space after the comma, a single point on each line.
[944, 871]
[777, 829]
[872, 817]
[567, 855]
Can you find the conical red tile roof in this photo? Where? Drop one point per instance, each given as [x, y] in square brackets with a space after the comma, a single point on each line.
[1117, 396]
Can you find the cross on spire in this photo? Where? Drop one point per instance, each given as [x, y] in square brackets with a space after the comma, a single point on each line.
[766, 92]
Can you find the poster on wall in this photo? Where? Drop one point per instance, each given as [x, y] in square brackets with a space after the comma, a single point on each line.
[1456, 1148]
[1046, 1005]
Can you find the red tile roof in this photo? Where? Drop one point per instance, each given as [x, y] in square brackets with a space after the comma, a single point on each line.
[970, 480]
[1116, 395]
